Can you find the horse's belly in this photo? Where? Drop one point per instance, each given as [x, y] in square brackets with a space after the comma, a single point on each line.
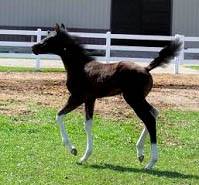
[108, 92]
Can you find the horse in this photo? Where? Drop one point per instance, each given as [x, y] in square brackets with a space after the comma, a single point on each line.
[88, 79]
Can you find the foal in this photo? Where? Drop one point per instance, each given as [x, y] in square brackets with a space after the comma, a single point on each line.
[88, 80]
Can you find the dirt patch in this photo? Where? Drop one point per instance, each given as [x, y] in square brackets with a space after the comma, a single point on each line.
[18, 90]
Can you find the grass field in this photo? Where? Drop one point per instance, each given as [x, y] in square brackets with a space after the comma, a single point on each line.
[45, 70]
[195, 67]
[29, 69]
[31, 150]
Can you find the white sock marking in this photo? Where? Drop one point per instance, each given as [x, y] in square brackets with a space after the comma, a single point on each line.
[140, 142]
[64, 135]
[154, 157]
[89, 146]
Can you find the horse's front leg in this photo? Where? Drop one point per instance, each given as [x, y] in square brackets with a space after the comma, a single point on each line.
[73, 103]
[89, 108]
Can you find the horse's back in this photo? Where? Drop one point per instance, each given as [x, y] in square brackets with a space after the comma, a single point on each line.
[116, 78]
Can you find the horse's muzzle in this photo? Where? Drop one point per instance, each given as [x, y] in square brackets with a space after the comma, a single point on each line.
[36, 49]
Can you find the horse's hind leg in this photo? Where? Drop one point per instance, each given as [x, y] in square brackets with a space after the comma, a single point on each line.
[141, 140]
[89, 108]
[148, 115]
[72, 104]
[140, 144]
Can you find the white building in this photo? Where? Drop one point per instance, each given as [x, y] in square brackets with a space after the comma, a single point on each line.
[162, 17]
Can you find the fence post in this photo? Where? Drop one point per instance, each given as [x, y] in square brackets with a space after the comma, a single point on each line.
[108, 46]
[38, 60]
[179, 59]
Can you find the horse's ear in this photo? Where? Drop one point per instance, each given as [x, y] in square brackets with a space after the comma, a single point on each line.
[63, 26]
[57, 27]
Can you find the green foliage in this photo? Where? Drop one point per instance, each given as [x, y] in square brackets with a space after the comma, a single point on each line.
[31, 151]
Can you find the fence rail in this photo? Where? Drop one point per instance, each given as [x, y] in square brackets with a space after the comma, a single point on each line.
[107, 47]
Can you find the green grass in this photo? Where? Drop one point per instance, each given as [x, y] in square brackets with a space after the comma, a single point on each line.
[31, 151]
[196, 67]
[29, 69]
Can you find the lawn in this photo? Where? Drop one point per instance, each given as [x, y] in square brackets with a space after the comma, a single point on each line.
[31, 150]
[29, 69]
[195, 67]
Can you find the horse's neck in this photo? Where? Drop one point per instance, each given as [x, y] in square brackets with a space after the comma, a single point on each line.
[75, 59]
[74, 70]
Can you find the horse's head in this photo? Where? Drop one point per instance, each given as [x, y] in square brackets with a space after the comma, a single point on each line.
[56, 42]
[59, 42]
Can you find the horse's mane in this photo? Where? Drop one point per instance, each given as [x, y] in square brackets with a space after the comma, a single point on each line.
[78, 48]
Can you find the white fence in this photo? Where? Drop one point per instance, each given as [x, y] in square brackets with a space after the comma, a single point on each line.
[108, 47]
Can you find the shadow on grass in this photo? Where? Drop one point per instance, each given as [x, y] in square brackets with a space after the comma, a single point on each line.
[168, 174]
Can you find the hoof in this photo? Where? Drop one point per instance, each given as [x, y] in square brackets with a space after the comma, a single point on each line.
[150, 165]
[141, 158]
[79, 163]
[82, 160]
[74, 151]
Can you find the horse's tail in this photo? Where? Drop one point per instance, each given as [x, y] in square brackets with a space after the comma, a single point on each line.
[165, 55]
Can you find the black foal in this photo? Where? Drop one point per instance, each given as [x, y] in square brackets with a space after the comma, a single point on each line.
[88, 80]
